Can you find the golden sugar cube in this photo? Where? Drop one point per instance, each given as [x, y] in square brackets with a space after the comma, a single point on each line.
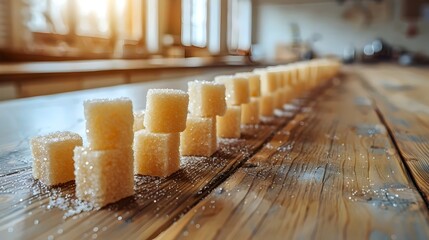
[293, 74]
[278, 75]
[228, 126]
[109, 123]
[314, 74]
[269, 82]
[53, 157]
[254, 83]
[156, 154]
[250, 111]
[237, 89]
[206, 99]
[278, 99]
[199, 137]
[103, 176]
[266, 105]
[287, 77]
[166, 110]
[304, 71]
[287, 94]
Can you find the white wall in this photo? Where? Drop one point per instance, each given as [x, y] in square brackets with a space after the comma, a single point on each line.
[273, 18]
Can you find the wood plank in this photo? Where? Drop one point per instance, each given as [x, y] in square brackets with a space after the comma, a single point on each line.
[331, 173]
[28, 210]
[401, 98]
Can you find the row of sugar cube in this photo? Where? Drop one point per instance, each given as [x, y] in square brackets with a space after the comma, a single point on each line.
[150, 142]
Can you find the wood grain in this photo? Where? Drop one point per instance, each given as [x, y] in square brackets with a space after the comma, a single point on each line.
[28, 210]
[402, 100]
[32, 210]
[331, 173]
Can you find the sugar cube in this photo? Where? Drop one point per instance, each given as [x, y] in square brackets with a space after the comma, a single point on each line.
[199, 137]
[250, 111]
[304, 71]
[287, 77]
[166, 110]
[293, 75]
[156, 154]
[287, 94]
[228, 125]
[237, 89]
[278, 99]
[206, 99]
[268, 81]
[266, 105]
[53, 157]
[138, 121]
[109, 123]
[314, 74]
[103, 176]
[254, 83]
[278, 73]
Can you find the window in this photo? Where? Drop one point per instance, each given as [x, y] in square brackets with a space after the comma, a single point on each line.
[214, 26]
[152, 41]
[49, 16]
[93, 18]
[104, 27]
[86, 26]
[194, 23]
[239, 24]
[129, 18]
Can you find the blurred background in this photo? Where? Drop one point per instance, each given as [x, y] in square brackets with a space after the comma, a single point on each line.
[96, 43]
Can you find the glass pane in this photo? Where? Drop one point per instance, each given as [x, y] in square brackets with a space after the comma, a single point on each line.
[199, 23]
[244, 24]
[37, 10]
[48, 16]
[194, 23]
[93, 17]
[240, 24]
[214, 26]
[186, 22]
[152, 40]
[59, 15]
[136, 20]
[121, 17]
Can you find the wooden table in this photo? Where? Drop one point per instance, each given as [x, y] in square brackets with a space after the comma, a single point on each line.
[347, 161]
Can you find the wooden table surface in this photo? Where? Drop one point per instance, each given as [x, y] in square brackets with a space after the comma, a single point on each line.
[346, 161]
